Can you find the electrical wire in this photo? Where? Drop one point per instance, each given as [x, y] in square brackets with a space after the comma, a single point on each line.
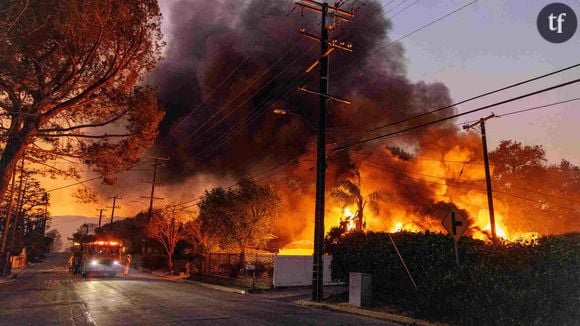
[422, 125]
[336, 71]
[208, 96]
[466, 187]
[476, 97]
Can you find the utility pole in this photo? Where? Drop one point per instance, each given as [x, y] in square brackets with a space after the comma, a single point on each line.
[481, 124]
[114, 198]
[101, 210]
[45, 199]
[158, 162]
[330, 16]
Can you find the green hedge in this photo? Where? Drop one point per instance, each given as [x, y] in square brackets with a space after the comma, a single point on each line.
[510, 284]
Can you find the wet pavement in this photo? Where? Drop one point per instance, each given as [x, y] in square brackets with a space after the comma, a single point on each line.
[46, 294]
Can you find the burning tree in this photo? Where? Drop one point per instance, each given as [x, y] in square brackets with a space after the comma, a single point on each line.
[240, 216]
[350, 192]
[167, 226]
[68, 82]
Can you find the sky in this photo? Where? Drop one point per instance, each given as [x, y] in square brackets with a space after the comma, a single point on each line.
[490, 44]
[487, 45]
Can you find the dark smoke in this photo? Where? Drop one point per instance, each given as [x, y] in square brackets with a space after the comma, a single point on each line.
[209, 41]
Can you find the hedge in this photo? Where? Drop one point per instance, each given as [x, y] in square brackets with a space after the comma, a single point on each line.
[505, 284]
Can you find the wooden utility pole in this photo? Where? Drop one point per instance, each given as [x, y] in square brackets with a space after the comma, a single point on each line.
[330, 16]
[101, 210]
[481, 124]
[45, 201]
[158, 162]
[114, 198]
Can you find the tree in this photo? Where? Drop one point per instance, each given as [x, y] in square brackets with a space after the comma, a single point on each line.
[240, 216]
[541, 197]
[132, 231]
[28, 214]
[82, 235]
[69, 72]
[512, 158]
[55, 240]
[350, 193]
[167, 226]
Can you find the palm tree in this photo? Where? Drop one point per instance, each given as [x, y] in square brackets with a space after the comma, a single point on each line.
[349, 193]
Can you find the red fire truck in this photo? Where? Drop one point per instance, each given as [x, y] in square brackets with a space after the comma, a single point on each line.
[97, 257]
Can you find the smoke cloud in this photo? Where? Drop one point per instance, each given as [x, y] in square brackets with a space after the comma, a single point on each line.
[260, 43]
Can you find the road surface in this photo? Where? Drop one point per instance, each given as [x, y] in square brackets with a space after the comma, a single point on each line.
[46, 294]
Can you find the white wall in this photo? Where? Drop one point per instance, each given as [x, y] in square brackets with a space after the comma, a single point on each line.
[297, 271]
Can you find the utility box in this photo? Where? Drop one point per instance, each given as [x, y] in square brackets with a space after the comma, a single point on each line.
[359, 289]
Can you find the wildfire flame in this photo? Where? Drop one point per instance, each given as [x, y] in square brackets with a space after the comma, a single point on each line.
[419, 203]
[348, 218]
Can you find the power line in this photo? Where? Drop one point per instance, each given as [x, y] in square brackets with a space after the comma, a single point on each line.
[477, 97]
[221, 109]
[262, 108]
[243, 123]
[457, 115]
[411, 33]
[429, 24]
[503, 115]
[404, 9]
[275, 167]
[395, 7]
[462, 186]
[209, 95]
[85, 181]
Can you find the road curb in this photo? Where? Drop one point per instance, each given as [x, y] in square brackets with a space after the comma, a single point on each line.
[343, 307]
[216, 287]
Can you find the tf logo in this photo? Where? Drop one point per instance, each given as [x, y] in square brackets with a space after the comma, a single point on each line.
[557, 23]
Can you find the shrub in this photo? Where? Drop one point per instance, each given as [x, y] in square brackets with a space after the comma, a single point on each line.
[154, 262]
[513, 283]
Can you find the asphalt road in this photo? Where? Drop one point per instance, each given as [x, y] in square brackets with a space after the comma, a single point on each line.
[46, 294]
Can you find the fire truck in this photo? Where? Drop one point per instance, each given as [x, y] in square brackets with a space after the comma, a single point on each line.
[97, 257]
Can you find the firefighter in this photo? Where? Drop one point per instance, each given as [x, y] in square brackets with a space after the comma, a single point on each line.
[127, 264]
[71, 264]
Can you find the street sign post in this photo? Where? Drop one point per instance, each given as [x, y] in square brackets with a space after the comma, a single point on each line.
[456, 224]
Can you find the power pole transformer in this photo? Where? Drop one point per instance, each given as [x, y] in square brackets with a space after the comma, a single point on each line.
[330, 17]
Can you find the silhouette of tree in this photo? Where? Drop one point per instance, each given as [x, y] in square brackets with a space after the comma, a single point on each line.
[350, 193]
[68, 82]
